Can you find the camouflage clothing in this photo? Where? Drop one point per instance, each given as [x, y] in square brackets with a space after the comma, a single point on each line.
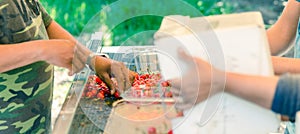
[25, 92]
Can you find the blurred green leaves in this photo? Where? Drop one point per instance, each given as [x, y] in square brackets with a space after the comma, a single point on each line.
[73, 15]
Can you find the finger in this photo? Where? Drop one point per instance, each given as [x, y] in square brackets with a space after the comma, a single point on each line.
[190, 99]
[70, 73]
[117, 72]
[127, 83]
[175, 91]
[81, 54]
[82, 51]
[125, 72]
[183, 106]
[78, 61]
[190, 93]
[176, 83]
[70, 68]
[133, 74]
[178, 99]
[284, 118]
[76, 67]
[106, 79]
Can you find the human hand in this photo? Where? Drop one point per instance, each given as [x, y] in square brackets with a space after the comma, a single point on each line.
[81, 54]
[65, 53]
[106, 68]
[201, 81]
[73, 56]
[59, 53]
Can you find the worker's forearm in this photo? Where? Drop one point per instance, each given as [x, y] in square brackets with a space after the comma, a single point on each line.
[283, 32]
[17, 55]
[257, 89]
[55, 31]
[285, 65]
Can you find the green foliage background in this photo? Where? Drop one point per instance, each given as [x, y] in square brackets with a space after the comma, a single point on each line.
[73, 15]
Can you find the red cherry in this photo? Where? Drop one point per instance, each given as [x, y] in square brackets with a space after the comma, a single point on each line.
[156, 95]
[135, 83]
[136, 87]
[180, 114]
[170, 131]
[105, 91]
[168, 94]
[154, 84]
[100, 96]
[94, 92]
[105, 88]
[89, 94]
[102, 84]
[138, 93]
[138, 82]
[98, 80]
[83, 94]
[117, 95]
[142, 82]
[102, 92]
[151, 130]
[165, 84]
[142, 77]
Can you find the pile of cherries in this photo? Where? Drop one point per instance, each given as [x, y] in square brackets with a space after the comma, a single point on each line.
[150, 85]
[144, 85]
[95, 88]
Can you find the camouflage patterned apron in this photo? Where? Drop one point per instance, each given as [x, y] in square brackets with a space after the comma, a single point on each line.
[25, 92]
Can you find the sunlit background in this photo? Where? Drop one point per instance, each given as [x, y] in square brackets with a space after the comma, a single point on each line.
[74, 14]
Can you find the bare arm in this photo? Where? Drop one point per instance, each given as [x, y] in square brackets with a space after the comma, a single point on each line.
[204, 79]
[283, 32]
[285, 65]
[104, 67]
[61, 51]
[57, 52]
[257, 89]
[281, 95]
[55, 31]
[18, 55]
[21, 54]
